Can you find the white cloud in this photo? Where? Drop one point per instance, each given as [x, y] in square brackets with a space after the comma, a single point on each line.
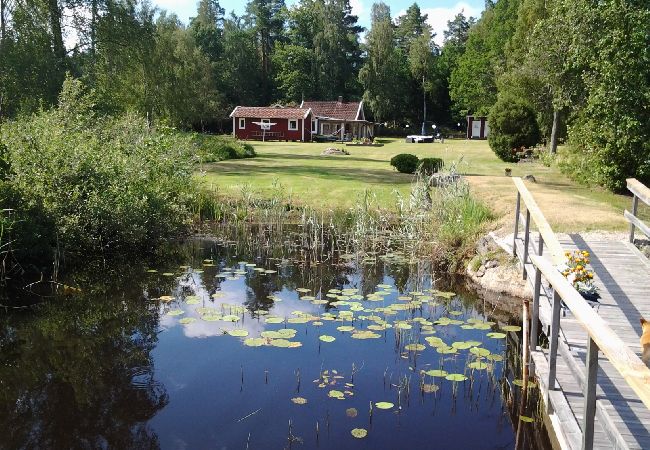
[357, 7]
[438, 17]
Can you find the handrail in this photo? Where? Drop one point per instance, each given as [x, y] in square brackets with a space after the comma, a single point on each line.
[639, 191]
[550, 240]
[628, 364]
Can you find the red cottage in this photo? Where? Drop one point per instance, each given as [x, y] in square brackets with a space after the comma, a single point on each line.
[272, 123]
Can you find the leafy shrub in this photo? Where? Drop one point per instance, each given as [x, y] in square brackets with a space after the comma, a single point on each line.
[512, 126]
[220, 148]
[429, 166]
[102, 183]
[404, 162]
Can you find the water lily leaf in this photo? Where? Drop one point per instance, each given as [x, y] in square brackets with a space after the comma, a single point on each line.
[430, 388]
[365, 335]
[211, 317]
[526, 419]
[359, 433]
[403, 325]
[303, 290]
[230, 318]
[336, 394]
[479, 351]
[152, 271]
[456, 313]
[166, 298]
[495, 358]
[187, 320]
[482, 326]
[511, 328]
[282, 343]
[478, 365]
[496, 335]
[192, 300]
[351, 412]
[238, 333]
[167, 274]
[414, 347]
[462, 345]
[326, 338]
[456, 377]
[218, 295]
[298, 320]
[345, 328]
[436, 373]
[308, 297]
[254, 342]
[299, 400]
[384, 405]
[274, 320]
[176, 312]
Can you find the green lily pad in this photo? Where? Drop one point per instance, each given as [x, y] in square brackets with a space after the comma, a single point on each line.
[326, 338]
[436, 373]
[511, 328]
[238, 333]
[345, 328]
[462, 345]
[187, 320]
[496, 335]
[479, 351]
[274, 320]
[351, 412]
[477, 365]
[192, 300]
[414, 347]
[254, 342]
[429, 388]
[299, 400]
[336, 394]
[456, 377]
[365, 335]
[526, 419]
[230, 318]
[359, 433]
[384, 405]
[176, 312]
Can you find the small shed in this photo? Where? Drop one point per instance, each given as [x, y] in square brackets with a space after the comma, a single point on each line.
[271, 123]
[477, 127]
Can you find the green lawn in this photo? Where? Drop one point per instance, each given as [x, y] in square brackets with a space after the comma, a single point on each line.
[336, 181]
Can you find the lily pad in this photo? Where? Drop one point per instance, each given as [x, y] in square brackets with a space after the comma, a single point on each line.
[351, 412]
[477, 365]
[511, 328]
[365, 335]
[526, 419]
[187, 320]
[496, 335]
[336, 394]
[479, 351]
[456, 377]
[238, 333]
[299, 400]
[384, 405]
[230, 318]
[429, 388]
[436, 373]
[326, 338]
[345, 328]
[192, 300]
[414, 347]
[359, 433]
[254, 342]
[176, 312]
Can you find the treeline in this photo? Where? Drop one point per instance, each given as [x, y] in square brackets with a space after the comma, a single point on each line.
[138, 58]
[581, 68]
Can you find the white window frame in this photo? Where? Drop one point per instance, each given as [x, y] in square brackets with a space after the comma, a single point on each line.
[294, 128]
[265, 120]
[242, 123]
[314, 126]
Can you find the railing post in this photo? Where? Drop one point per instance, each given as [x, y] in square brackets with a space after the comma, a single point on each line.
[526, 242]
[552, 351]
[517, 211]
[589, 393]
[635, 207]
[536, 291]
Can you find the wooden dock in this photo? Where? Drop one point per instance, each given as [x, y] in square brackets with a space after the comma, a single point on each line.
[596, 389]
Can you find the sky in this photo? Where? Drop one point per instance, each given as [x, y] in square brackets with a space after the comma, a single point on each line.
[439, 11]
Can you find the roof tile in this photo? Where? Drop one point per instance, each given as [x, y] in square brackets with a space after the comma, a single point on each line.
[334, 109]
[269, 112]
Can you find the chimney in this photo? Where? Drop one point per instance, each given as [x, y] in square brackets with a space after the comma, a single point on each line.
[340, 99]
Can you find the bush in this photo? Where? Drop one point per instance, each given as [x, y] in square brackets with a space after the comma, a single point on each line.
[404, 162]
[513, 126]
[220, 148]
[102, 183]
[429, 166]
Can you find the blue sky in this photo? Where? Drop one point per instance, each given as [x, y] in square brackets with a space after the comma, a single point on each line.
[439, 11]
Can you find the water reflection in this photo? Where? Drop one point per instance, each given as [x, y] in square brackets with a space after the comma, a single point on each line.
[110, 367]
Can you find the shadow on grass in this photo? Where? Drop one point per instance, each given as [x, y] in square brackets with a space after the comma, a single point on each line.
[318, 157]
[330, 173]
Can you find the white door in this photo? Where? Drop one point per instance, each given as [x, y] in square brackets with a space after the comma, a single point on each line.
[486, 130]
[476, 129]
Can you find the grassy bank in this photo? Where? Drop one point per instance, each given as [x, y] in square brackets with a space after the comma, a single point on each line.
[331, 182]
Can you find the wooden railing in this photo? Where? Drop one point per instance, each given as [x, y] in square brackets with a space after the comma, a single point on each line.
[600, 336]
[640, 191]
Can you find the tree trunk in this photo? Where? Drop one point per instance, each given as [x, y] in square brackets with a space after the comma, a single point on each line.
[3, 23]
[554, 131]
[57, 33]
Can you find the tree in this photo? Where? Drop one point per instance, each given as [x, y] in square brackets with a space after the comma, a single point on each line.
[293, 68]
[207, 28]
[512, 126]
[410, 26]
[382, 74]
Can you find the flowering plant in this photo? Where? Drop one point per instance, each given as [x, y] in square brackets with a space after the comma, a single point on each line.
[576, 272]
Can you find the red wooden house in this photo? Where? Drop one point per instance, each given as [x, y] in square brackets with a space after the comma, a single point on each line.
[272, 123]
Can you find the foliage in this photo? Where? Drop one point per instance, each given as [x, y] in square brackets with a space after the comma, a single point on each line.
[103, 183]
[404, 162]
[512, 126]
[220, 148]
[429, 166]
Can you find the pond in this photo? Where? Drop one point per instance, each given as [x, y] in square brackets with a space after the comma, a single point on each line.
[260, 343]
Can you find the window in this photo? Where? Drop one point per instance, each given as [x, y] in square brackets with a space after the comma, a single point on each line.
[314, 126]
[242, 123]
[266, 120]
[293, 124]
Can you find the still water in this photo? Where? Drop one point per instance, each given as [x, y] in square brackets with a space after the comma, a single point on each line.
[230, 345]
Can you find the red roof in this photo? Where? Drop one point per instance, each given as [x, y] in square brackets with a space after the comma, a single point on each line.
[335, 110]
[269, 112]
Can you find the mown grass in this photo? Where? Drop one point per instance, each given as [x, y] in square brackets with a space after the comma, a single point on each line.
[335, 182]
